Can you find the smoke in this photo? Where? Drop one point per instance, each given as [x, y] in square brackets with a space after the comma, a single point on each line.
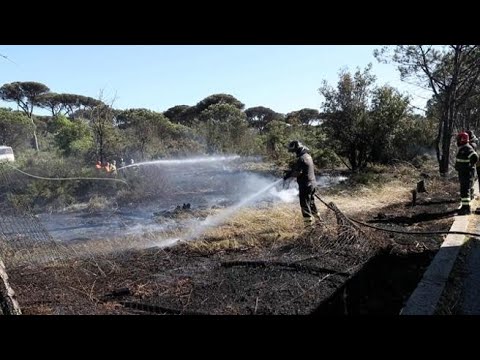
[245, 184]
[165, 185]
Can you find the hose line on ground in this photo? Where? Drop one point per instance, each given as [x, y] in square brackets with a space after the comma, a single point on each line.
[400, 231]
[69, 178]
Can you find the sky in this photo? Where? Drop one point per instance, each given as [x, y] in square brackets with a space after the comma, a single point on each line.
[284, 78]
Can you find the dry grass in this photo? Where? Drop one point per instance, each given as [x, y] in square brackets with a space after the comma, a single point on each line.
[366, 199]
[97, 203]
[395, 186]
[250, 228]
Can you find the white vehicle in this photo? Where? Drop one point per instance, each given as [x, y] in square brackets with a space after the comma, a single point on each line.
[6, 154]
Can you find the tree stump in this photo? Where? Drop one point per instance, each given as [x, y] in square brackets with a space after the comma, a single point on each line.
[421, 187]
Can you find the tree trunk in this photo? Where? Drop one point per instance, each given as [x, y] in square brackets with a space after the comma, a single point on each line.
[8, 303]
[352, 159]
[446, 134]
[438, 140]
[35, 139]
[445, 161]
[100, 148]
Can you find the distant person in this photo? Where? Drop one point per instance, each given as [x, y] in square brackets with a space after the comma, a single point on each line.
[122, 163]
[107, 167]
[132, 162]
[304, 171]
[472, 139]
[113, 168]
[466, 159]
[98, 165]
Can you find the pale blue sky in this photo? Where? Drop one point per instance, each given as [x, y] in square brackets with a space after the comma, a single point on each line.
[282, 77]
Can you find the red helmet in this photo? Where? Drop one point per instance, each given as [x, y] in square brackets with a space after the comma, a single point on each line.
[462, 138]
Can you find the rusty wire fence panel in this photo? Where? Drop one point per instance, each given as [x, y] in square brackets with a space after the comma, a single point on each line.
[342, 243]
[24, 241]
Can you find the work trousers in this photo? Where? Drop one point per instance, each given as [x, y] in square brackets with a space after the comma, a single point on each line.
[307, 203]
[466, 180]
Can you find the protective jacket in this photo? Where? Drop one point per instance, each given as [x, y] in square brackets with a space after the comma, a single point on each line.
[466, 159]
[303, 169]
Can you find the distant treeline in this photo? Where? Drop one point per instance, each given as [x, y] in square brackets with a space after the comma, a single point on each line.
[358, 123]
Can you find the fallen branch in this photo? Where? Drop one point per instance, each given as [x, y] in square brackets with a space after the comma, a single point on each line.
[291, 265]
[157, 309]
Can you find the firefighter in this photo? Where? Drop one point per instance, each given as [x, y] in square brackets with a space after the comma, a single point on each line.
[303, 170]
[473, 141]
[466, 159]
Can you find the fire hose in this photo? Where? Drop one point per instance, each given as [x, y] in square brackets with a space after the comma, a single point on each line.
[399, 231]
[67, 178]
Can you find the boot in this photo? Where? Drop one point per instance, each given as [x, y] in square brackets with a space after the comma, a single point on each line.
[319, 218]
[465, 210]
[308, 222]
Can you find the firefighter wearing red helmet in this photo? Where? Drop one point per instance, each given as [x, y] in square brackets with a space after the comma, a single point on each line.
[466, 159]
[473, 141]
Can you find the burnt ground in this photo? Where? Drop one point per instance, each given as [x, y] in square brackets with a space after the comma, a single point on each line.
[295, 277]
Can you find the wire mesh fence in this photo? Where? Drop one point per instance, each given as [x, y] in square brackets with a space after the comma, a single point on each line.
[23, 238]
[342, 243]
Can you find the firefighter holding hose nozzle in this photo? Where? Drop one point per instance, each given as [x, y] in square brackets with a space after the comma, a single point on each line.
[304, 171]
[473, 141]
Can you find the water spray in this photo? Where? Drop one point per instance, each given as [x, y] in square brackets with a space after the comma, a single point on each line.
[220, 218]
[182, 161]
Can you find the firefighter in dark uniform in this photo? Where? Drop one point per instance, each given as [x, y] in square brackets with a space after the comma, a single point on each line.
[303, 170]
[473, 141]
[466, 159]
